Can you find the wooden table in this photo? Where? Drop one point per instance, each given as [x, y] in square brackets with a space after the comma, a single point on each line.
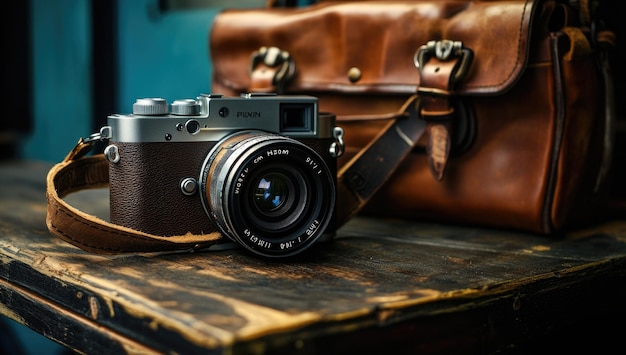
[380, 285]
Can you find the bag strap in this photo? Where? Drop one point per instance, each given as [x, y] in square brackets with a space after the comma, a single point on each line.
[361, 178]
[442, 65]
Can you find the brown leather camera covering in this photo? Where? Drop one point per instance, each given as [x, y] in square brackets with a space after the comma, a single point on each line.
[145, 188]
[537, 158]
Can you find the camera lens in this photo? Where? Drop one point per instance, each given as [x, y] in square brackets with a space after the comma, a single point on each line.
[272, 194]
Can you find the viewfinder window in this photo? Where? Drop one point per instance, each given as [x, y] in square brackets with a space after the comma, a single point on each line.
[296, 117]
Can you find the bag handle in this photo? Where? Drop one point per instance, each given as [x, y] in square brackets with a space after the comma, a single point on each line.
[356, 183]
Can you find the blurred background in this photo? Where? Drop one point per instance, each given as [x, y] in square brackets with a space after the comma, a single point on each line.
[73, 62]
[70, 63]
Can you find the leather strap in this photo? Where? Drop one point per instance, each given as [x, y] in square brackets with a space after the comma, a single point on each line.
[366, 172]
[361, 178]
[442, 64]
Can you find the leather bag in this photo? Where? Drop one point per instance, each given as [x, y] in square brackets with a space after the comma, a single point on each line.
[516, 96]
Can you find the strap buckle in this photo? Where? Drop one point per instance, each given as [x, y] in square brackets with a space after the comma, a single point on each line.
[338, 147]
[445, 50]
[84, 145]
[104, 134]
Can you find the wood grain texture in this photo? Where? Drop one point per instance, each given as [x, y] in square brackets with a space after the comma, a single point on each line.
[424, 287]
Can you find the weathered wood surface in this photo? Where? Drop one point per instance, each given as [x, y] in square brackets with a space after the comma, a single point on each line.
[418, 286]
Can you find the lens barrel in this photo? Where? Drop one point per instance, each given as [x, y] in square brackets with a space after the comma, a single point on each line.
[272, 194]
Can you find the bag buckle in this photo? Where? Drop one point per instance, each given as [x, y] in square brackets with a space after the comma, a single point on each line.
[444, 50]
[442, 65]
[281, 61]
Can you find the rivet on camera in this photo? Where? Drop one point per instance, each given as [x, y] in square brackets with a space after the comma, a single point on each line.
[112, 154]
[188, 186]
[354, 74]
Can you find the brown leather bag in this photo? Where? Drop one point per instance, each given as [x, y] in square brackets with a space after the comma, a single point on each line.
[516, 95]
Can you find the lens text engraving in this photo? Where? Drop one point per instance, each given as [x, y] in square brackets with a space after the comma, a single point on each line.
[313, 165]
[240, 180]
[256, 240]
[273, 152]
[313, 227]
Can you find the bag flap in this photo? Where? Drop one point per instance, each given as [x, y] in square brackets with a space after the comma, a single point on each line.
[379, 38]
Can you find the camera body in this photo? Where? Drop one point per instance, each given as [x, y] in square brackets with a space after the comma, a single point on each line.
[259, 168]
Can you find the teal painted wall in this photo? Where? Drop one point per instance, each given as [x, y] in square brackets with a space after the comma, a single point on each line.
[162, 55]
[61, 78]
[159, 54]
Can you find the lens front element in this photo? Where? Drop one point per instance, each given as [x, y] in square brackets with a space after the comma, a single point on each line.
[271, 193]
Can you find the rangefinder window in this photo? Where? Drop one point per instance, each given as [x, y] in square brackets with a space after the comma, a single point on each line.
[296, 117]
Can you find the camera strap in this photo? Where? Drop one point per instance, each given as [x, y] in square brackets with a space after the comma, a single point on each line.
[356, 184]
[91, 233]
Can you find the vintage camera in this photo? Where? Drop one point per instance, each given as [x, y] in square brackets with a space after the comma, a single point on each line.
[260, 168]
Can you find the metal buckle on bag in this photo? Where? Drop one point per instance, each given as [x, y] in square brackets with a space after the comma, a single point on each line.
[444, 50]
[275, 57]
[437, 107]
